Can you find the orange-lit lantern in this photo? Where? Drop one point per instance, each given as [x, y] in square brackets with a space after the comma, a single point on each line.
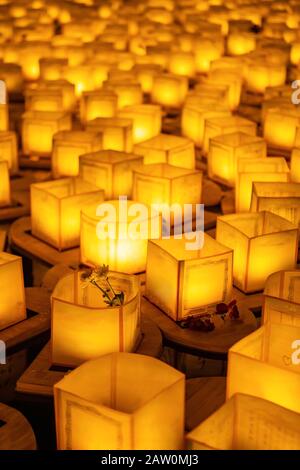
[9, 150]
[146, 119]
[129, 93]
[145, 74]
[12, 76]
[239, 43]
[42, 99]
[98, 104]
[295, 165]
[182, 63]
[64, 87]
[169, 90]
[263, 72]
[280, 126]
[282, 298]
[30, 54]
[52, 68]
[207, 50]
[233, 79]
[4, 184]
[117, 133]
[4, 119]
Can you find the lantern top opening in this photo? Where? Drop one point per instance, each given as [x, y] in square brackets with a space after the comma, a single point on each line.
[165, 142]
[108, 156]
[66, 187]
[237, 139]
[269, 164]
[163, 170]
[276, 189]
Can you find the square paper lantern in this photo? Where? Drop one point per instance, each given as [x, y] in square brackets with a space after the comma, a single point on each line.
[282, 298]
[264, 72]
[262, 365]
[225, 152]
[167, 148]
[145, 74]
[280, 125]
[12, 76]
[113, 234]
[98, 104]
[4, 120]
[169, 90]
[279, 198]
[51, 68]
[64, 87]
[117, 133]
[295, 165]
[120, 401]
[9, 150]
[233, 79]
[111, 171]
[239, 43]
[4, 184]
[67, 146]
[84, 327]
[62, 202]
[43, 100]
[146, 119]
[165, 184]
[182, 63]
[257, 169]
[215, 127]
[38, 129]
[196, 279]
[254, 238]
[245, 422]
[12, 306]
[129, 93]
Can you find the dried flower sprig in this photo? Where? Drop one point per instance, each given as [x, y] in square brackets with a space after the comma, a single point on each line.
[205, 322]
[98, 276]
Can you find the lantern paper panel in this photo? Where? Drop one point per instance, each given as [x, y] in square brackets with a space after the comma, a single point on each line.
[109, 402]
[262, 364]
[146, 121]
[12, 76]
[295, 165]
[262, 242]
[257, 169]
[98, 104]
[182, 63]
[12, 307]
[262, 73]
[145, 74]
[169, 90]
[196, 279]
[4, 120]
[129, 93]
[281, 311]
[43, 100]
[279, 198]
[51, 68]
[240, 424]
[4, 184]
[117, 133]
[68, 146]
[9, 150]
[233, 79]
[240, 43]
[65, 88]
[167, 148]
[225, 152]
[84, 327]
[280, 126]
[62, 200]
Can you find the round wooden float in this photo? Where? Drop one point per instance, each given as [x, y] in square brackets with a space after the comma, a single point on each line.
[15, 431]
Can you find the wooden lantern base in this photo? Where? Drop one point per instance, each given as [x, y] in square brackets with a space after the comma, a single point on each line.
[19, 207]
[16, 433]
[34, 162]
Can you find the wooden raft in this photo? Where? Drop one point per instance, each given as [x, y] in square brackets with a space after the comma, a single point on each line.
[15, 433]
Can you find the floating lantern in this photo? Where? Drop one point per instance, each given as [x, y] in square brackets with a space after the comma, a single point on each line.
[9, 150]
[62, 201]
[64, 87]
[43, 100]
[279, 198]
[206, 50]
[98, 104]
[68, 146]
[4, 184]
[233, 79]
[254, 238]
[166, 148]
[225, 151]
[263, 73]
[12, 76]
[12, 307]
[182, 63]
[30, 55]
[80, 76]
[104, 404]
[116, 133]
[146, 119]
[169, 90]
[4, 119]
[215, 127]
[197, 278]
[257, 169]
[282, 298]
[280, 126]
[262, 365]
[145, 74]
[295, 165]
[52, 68]
[239, 43]
[84, 327]
[247, 419]
[38, 129]
[111, 171]
[129, 94]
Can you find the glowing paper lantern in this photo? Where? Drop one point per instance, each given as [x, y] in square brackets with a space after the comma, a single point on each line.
[117, 133]
[52, 69]
[279, 198]
[38, 129]
[9, 151]
[44, 100]
[169, 90]
[239, 43]
[98, 104]
[247, 419]
[4, 184]
[80, 76]
[146, 119]
[104, 404]
[295, 165]
[282, 298]
[182, 63]
[262, 73]
[68, 146]
[129, 94]
[62, 201]
[233, 79]
[12, 76]
[116, 233]
[254, 238]
[225, 152]
[145, 74]
[111, 171]
[257, 169]
[262, 365]
[206, 50]
[166, 148]
[280, 126]
[12, 307]
[84, 327]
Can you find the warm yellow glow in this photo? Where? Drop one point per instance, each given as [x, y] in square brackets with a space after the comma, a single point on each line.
[169, 90]
[43, 100]
[262, 73]
[129, 94]
[280, 126]
[145, 74]
[84, 327]
[116, 133]
[233, 79]
[146, 120]
[239, 43]
[80, 76]
[182, 63]
[166, 148]
[4, 184]
[111, 171]
[4, 118]
[65, 88]
[255, 239]
[196, 279]
[51, 69]
[30, 55]
[120, 401]
[12, 306]
[295, 53]
[295, 165]
[9, 151]
[207, 50]
[61, 202]
[98, 104]
[282, 298]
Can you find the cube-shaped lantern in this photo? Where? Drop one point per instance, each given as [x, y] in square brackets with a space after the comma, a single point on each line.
[282, 298]
[280, 125]
[129, 93]
[225, 152]
[263, 365]
[240, 424]
[62, 201]
[64, 87]
[263, 73]
[145, 74]
[12, 76]
[254, 238]
[111, 171]
[98, 104]
[295, 165]
[9, 150]
[38, 129]
[4, 184]
[167, 148]
[51, 68]
[68, 146]
[257, 169]
[113, 234]
[4, 120]
[233, 79]
[12, 305]
[146, 119]
[196, 279]
[239, 43]
[84, 327]
[182, 63]
[117, 133]
[169, 90]
[43, 99]
[109, 403]
[215, 127]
